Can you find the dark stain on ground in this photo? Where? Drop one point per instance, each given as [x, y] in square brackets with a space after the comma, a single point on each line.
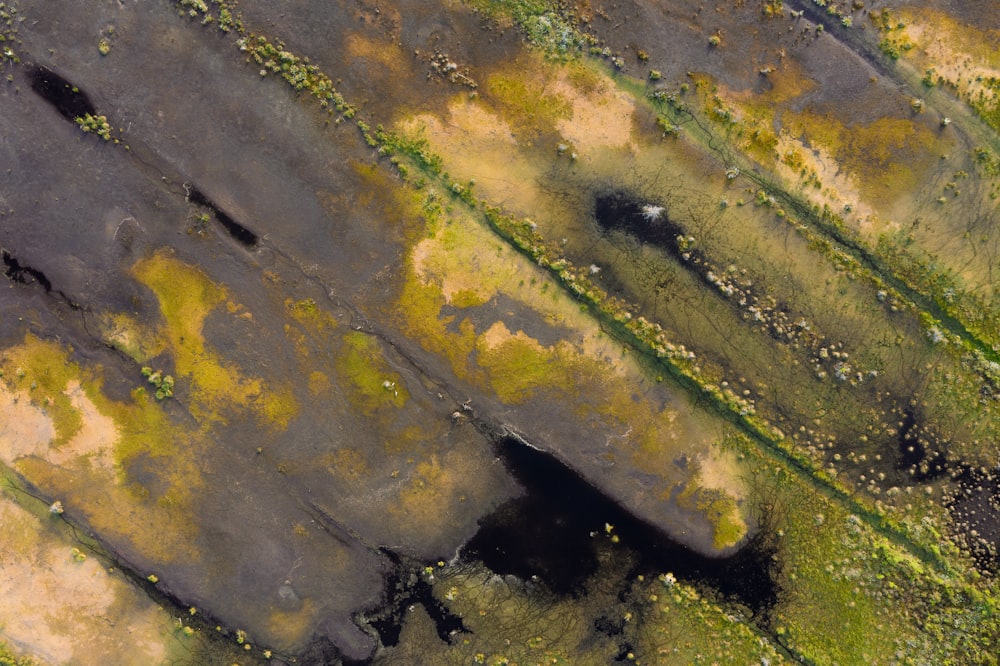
[549, 534]
[505, 309]
[974, 505]
[406, 588]
[67, 99]
[240, 233]
[15, 272]
[914, 457]
[975, 510]
[647, 222]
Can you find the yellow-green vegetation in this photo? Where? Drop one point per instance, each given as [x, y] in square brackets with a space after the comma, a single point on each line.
[374, 385]
[526, 103]
[850, 575]
[129, 336]
[519, 367]
[722, 511]
[164, 384]
[8, 658]
[955, 56]
[218, 389]
[42, 371]
[646, 619]
[650, 335]
[9, 20]
[886, 156]
[98, 125]
[592, 375]
[308, 313]
[543, 25]
[94, 459]
[895, 41]
[61, 606]
[850, 595]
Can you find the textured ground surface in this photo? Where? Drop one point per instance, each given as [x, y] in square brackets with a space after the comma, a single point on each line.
[499, 332]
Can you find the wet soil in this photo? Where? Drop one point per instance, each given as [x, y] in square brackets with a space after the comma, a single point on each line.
[553, 534]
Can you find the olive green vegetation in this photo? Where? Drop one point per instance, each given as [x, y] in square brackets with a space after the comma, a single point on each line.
[847, 595]
[518, 233]
[164, 384]
[7, 658]
[526, 103]
[95, 125]
[850, 594]
[43, 371]
[217, 389]
[544, 26]
[646, 619]
[9, 20]
[954, 43]
[374, 384]
[522, 235]
[637, 331]
[140, 427]
[87, 469]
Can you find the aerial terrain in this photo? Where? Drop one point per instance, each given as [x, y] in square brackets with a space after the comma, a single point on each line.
[499, 332]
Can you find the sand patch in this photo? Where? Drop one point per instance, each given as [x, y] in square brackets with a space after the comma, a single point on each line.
[719, 470]
[961, 54]
[477, 143]
[63, 611]
[25, 429]
[602, 117]
[96, 438]
[839, 187]
[498, 333]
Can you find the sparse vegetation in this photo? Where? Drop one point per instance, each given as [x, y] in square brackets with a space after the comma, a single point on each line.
[98, 125]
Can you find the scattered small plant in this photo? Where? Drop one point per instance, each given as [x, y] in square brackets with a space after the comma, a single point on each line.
[98, 125]
[164, 384]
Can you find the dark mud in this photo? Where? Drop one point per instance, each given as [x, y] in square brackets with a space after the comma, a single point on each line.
[975, 508]
[648, 222]
[505, 309]
[551, 534]
[239, 232]
[406, 588]
[923, 465]
[974, 504]
[66, 98]
[15, 272]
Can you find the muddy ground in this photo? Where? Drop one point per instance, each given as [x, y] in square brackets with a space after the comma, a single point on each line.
[345, 333]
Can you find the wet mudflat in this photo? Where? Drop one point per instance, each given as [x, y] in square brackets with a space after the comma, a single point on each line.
[348, 333]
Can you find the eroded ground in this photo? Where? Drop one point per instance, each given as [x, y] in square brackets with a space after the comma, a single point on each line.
[499, 332]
